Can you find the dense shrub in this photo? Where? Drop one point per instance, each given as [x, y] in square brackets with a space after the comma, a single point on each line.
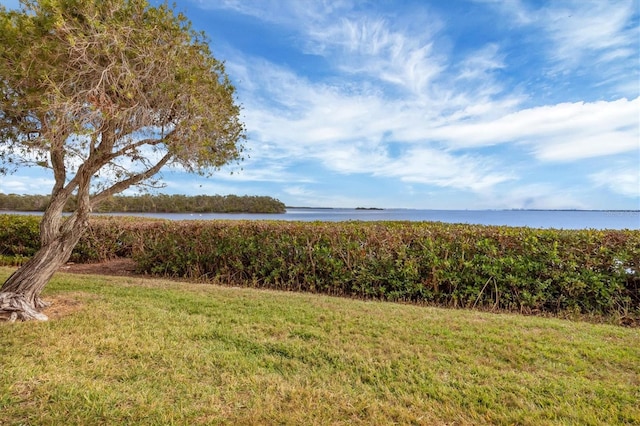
[111, 237]
[522, 269]
[106, 238]
[19, 235]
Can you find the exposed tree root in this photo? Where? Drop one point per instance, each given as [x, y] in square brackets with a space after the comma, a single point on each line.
[15, 307]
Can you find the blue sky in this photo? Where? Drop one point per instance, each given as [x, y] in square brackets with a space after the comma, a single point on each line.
[457, 104]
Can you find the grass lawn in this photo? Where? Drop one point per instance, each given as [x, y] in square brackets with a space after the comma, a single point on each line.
[141, 351]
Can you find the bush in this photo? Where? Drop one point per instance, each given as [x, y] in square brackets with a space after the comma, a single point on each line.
[517, 269]
[106, 238]
[19, 235]
[521, 269]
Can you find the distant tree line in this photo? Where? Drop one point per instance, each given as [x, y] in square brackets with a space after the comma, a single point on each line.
[155, 204]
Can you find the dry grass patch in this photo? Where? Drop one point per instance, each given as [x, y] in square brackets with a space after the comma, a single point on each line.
[65, 304]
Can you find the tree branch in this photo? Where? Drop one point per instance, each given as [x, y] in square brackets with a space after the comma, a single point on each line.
[133, 180]
[129, 147]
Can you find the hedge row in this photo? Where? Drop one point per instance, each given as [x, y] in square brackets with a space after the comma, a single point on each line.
[532, 270]
[454, 265]
[107, 238]
[19, 238]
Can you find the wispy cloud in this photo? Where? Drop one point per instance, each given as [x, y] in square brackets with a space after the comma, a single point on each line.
[561, 132]
[600, 30]
[348, 133]
[26, 185]
[370, 47]
[435, 167]
[580, 36]
[623, 180]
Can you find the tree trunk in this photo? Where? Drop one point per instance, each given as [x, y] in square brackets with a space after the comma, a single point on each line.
[20, 294]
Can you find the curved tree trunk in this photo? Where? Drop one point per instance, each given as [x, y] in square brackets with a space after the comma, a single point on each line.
[20, 294]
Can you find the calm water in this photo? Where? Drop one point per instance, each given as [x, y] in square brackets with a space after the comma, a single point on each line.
[572, 219]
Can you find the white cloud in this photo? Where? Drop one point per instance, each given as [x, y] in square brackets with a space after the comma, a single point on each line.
[347, 128]
[291, 109]
[434, 167]
[372, 47]
[288, 111]
[562, 132]
[580, 145]
[579, 36]
[482, 62]
[290, 13]
[399, 52]
[600, 29]
[26, 185]
[622, 180]
[415, 165]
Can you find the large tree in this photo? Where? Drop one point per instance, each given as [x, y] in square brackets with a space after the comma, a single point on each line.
[104, 93]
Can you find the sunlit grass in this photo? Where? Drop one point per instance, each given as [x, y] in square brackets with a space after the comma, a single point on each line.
[134, 351]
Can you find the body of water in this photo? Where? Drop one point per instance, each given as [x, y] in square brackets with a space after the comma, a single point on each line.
[559, 219]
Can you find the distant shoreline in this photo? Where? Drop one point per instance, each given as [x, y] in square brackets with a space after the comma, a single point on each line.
[312, 208]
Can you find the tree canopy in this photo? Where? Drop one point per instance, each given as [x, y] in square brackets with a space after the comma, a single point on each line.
[112, 90]
[105, 93]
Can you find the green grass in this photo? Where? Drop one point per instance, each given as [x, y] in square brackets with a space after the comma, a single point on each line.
[141, 351]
